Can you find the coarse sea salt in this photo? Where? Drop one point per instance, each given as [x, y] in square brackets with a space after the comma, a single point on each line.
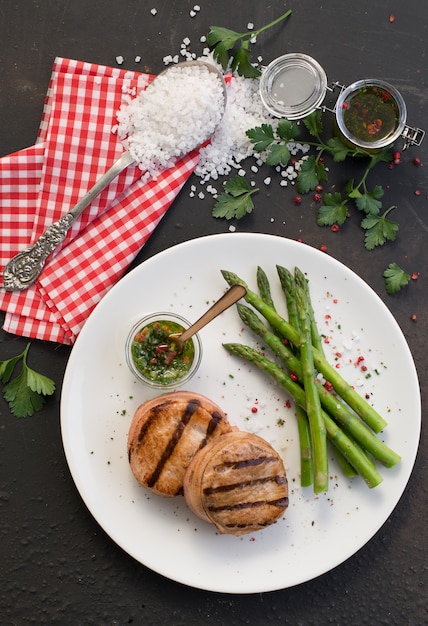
[172, 116]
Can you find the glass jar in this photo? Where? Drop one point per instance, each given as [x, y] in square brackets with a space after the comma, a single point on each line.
[293, 86]
[369, 114]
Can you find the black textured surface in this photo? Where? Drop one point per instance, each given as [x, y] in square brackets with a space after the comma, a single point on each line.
[57, 565]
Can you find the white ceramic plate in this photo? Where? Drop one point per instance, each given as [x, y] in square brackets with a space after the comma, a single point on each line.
[100, 396]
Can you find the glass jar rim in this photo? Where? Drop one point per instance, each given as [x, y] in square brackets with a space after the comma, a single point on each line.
[303, 99]
[144, 321]
[354, 88]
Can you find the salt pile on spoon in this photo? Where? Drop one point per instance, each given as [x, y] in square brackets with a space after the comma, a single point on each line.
[176, 113]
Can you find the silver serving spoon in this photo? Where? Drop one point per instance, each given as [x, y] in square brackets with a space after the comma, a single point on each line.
[24, 268]
[232, 295]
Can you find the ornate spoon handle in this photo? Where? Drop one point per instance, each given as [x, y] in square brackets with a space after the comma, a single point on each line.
[24, 268]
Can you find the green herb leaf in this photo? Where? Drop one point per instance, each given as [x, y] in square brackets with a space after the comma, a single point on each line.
[26, 393]
[22, 400]
[395, 278]
[287, 130]
[221, 54]
[369, 202]
[338, 149]
[313, 123]
[261, 137]
[310, 175]
[279, 154]
[242, 64]
[224, 35]
[379, 229]
[236, 200]
[7, 368]
[333, 210]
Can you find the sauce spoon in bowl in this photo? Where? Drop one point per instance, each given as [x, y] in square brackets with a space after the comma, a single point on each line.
[232, 295]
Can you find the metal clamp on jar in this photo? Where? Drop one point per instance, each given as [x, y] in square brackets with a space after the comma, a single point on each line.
[370, 114]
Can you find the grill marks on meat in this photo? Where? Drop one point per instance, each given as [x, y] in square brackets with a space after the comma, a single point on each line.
[238, 484]
[165, 435]
[191, 407]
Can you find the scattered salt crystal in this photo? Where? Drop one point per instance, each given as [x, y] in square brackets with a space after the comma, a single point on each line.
[250, 26]
[119, 60]
[137, 59]
[242, 172]
[153, 11]
[267, 180]
[196, 8]
[201, 195]
[283, 183]
[203, 39]
[254, 169]
[186, 41]
[192, 13]
[232, 228]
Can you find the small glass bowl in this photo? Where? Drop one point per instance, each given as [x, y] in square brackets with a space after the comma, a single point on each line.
[173, 382]
[392, 99]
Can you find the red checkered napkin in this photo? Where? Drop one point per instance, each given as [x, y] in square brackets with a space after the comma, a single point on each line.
[75, 146]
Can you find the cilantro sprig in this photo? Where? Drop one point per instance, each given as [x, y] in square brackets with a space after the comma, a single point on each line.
[334, 207]
[232, 48]
[235, 201]
[27, 391]
[395, 278]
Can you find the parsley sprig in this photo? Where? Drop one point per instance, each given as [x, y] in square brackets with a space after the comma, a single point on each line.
[235, 201]
[395, 278]
[27, 391]
[334, 207]
[232, 48]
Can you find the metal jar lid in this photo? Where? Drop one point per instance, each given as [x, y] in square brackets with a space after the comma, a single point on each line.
[293, 86]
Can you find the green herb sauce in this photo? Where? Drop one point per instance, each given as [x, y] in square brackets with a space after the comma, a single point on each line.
[371, 114]
[154, 355]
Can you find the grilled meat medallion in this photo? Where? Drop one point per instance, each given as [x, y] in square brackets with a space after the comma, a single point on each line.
[165, 434]
[238, 483]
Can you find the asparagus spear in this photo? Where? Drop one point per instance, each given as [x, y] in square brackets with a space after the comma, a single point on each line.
[338, 438]
[306, 459]
[342, 388]
[264, 287]
[288, 287]
[312, 403]
[332, 405]
[300, 279]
